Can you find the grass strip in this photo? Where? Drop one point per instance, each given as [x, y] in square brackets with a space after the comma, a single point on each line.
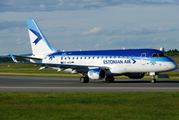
[31, 70]
[114, 106]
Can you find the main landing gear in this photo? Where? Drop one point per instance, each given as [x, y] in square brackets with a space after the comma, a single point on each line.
[109, 79]
[84, 79]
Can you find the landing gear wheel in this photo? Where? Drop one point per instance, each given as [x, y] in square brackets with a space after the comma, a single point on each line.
[153, 81]
[84, 79]
[109, 79]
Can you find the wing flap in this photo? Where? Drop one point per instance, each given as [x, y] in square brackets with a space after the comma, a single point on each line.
[75, 67]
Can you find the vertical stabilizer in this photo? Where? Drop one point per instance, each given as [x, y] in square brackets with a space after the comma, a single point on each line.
[39, 44]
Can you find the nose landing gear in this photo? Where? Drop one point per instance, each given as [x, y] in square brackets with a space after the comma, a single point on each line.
[153, 77]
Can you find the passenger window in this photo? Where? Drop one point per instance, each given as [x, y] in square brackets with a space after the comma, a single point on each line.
[76, 57]
[132, 56]
[118, 56]
[89, 58]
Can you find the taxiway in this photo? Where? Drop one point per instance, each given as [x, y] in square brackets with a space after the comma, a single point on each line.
[68, 84]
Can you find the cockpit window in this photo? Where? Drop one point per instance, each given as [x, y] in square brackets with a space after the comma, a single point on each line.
[155, 55]
[159, 55]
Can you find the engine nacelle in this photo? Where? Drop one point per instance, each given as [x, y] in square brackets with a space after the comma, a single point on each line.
[136, 75]
[97, 73]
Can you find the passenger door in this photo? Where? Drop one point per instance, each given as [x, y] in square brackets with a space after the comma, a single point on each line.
[142, 58]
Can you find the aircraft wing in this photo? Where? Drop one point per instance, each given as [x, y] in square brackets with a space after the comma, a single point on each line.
[65, 66]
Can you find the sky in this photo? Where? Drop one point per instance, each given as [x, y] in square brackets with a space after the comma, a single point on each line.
[90, 24]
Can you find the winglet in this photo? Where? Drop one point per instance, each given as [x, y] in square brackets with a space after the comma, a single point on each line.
[13, 58]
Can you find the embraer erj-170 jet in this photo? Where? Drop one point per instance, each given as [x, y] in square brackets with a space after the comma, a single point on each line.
[98, 64]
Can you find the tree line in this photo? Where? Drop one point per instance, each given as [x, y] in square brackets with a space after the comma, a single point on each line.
[9, 59]
[172, 52]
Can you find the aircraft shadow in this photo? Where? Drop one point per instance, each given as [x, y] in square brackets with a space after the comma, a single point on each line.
[146, 81]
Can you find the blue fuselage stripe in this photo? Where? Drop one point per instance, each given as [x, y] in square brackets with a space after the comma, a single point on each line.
[125, 54]
[129, 52]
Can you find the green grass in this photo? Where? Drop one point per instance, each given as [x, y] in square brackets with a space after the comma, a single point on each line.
[175, 58]
[31, 70]
[97, 106]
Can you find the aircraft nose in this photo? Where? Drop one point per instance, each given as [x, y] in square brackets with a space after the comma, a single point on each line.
[176, 65]
[173, 65]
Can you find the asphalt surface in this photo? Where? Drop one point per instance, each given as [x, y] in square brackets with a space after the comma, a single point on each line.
[66, 84]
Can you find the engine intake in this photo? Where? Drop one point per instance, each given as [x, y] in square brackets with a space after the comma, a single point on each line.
[97, 73]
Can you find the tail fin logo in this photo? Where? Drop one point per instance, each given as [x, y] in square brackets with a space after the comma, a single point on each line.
[39, 37]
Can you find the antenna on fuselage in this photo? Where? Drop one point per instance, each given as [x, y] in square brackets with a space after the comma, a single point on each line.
[161, 49]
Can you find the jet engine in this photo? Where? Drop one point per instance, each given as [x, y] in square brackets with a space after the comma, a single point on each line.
[97, 73]
[136, 75]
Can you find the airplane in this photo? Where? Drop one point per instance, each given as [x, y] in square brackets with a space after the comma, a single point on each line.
[96, 64]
